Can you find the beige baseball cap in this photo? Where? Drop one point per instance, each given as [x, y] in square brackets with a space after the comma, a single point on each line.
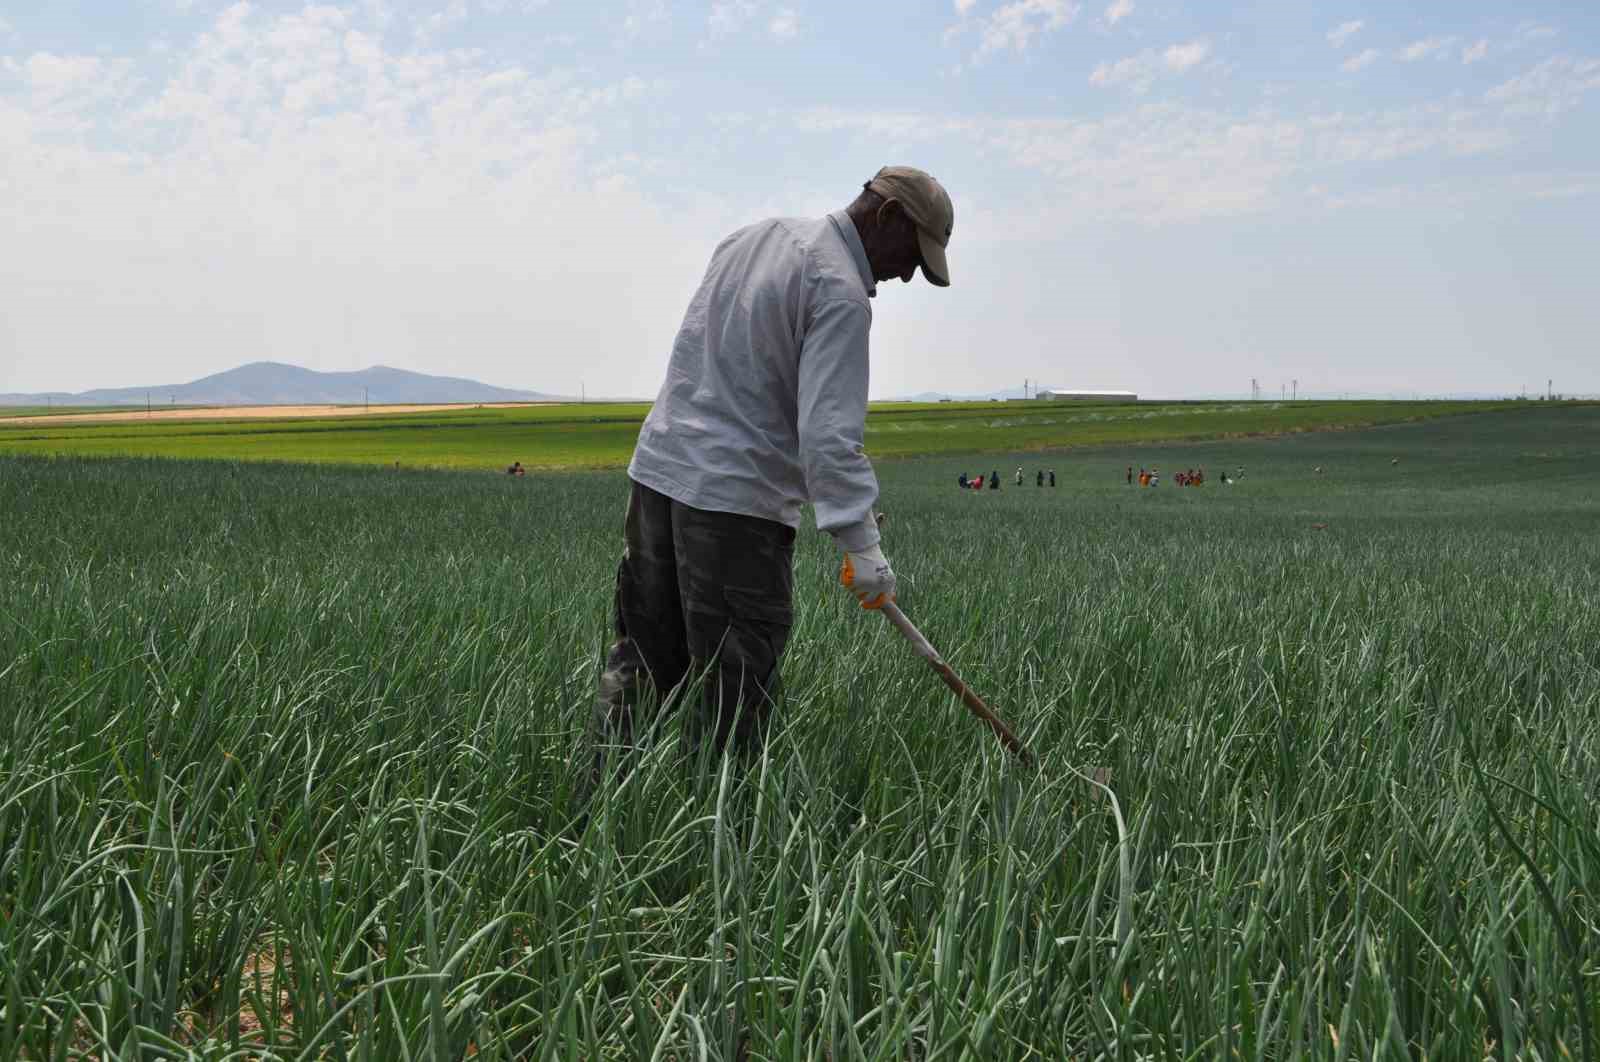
[926, 203]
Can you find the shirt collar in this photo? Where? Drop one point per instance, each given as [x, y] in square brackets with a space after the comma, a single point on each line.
[852, 239]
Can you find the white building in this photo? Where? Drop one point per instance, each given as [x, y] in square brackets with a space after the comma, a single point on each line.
[1055, 395]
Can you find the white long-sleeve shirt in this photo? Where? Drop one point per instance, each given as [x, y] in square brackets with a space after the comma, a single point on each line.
[765, 400]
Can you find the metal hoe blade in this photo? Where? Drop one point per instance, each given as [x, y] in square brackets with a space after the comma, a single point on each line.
[973, 702]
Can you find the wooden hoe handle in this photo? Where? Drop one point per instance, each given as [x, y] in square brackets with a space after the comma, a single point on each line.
[973, 702]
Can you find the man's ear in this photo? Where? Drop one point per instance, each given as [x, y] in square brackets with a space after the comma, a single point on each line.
[890, 210]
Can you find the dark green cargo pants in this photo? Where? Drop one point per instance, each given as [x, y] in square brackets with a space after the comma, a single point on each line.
[701, 597]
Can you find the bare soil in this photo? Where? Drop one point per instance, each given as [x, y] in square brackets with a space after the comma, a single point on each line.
[257, 412]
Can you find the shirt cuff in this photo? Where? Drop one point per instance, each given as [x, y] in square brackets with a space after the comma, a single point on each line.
[857, 537]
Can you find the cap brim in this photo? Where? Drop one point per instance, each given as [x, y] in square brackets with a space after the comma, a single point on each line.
[934, 266]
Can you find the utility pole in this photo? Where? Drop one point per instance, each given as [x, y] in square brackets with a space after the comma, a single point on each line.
[1283, 391]
[366, 398]
[583, 393]
[147, 403]
[1255, 390]
[1549, 390]
[1294, 394]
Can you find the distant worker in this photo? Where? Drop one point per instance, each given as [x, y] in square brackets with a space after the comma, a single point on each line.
[1130, 475]
[994, 479]
[761, 413]
[1038, 478]
[1052, 477]
[963, 481]
[1019, 475]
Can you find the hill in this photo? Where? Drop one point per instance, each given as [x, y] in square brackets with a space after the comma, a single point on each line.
[272, 383]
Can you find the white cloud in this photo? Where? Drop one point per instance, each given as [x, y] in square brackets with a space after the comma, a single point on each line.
[785, 24]
[1341, 34]
[51, 78]
[1361, 61]
[71, 86]
[1119, 10]
[1139, 72]
[1554, 86]
[1015, 25]
[1180, 57]
[963, 6]
[729, 16]
[414, 205]
[1426, 47]
[643, 14]
[1473, 52]
[1532, 32]
[1166, 162]
[425, 28]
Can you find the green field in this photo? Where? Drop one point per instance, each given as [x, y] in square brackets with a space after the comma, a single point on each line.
[602, 436]
[286, 763]
[72, 411]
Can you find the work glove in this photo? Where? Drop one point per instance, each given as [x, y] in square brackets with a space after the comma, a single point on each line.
[866, 574]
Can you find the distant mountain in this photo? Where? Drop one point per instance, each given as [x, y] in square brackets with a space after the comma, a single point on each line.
[271, 383]
[1005, 394]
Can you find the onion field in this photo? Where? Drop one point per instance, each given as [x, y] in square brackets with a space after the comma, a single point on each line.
[286, 766]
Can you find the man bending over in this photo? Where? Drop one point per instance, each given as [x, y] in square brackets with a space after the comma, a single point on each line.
[763, 409]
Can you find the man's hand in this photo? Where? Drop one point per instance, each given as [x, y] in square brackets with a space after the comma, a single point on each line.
[866, 574]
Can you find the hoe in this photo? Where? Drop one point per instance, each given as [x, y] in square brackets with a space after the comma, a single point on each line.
[975, 703]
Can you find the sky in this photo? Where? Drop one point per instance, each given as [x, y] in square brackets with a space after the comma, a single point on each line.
[1168, 197]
